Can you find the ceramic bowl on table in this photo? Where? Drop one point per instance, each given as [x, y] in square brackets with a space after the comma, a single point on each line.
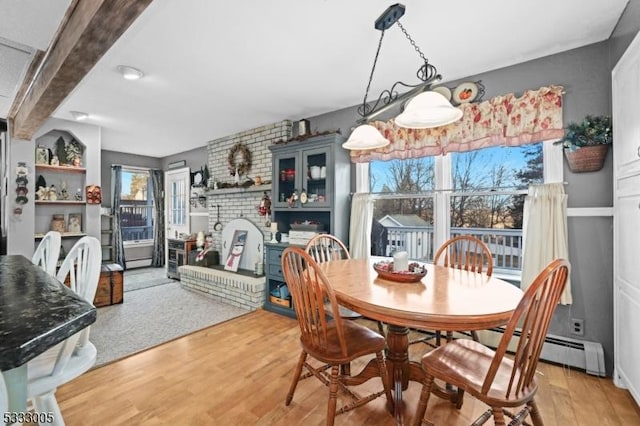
[385, 271]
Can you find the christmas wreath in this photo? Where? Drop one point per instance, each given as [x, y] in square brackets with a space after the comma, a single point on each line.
[245, 159]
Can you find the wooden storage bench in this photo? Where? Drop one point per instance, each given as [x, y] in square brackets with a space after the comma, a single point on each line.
[110, 289]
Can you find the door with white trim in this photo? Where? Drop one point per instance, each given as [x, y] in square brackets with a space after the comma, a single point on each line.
[177, 202]
[626, 208]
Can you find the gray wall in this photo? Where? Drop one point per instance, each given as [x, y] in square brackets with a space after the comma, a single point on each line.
[624, 32]
[110, 158]
[585, 75]
[196, 158]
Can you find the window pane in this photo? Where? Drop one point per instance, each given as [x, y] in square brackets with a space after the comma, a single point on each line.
[497, 167]
[495, 219]
[136, 209]
[412, 175]
[403, 224]
[134, 185]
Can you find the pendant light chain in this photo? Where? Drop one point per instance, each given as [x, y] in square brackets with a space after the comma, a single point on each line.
[365, 107]
[413, 43]
[427, 71]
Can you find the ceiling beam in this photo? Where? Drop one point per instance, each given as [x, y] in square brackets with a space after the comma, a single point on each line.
[90, 29]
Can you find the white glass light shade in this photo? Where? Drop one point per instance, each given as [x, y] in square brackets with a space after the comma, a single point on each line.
[130, 73]
[365, 137]
[427, 110]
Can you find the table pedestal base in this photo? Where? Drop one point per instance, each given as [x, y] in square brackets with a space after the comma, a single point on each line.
[401, 370]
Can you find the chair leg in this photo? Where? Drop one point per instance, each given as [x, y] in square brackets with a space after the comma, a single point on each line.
[296, 377]
[345, 369]
[419, 417]
[536, 418]
[381, 329]
[474, 336]
[333, 395]
[386, 383]
[498, 416]
[47, 403]
[460, 398]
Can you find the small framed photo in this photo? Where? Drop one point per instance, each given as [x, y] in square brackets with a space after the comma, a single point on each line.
[75, 223]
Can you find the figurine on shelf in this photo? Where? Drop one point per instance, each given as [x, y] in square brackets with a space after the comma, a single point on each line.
[293, 199]
[53, 193]
[265, 205]
[55, 161]
[64, 194]
[79, 194]
[42, 194]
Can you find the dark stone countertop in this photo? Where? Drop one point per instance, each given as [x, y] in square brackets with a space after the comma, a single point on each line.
[36, 311]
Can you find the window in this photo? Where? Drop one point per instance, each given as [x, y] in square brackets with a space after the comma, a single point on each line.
[136, 206]
[422, 202]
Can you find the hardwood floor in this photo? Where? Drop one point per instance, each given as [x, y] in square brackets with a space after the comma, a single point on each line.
[238, 373]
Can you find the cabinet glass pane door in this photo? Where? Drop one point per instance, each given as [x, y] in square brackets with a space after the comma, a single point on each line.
[315, 178]
[288, 180]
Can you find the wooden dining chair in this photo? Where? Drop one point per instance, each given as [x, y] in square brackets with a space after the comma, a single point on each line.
[47, 252]
[325, 337]
[326, 248]
[464, 252]
[499, 381]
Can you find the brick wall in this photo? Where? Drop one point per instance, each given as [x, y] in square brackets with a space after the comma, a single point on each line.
[238, 290]
[241, 202]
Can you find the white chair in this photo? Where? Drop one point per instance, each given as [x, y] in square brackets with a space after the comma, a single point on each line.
[47, 252]
[74, 356]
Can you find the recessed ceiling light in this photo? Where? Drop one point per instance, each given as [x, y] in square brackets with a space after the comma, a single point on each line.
[79, 115]
[130, 73]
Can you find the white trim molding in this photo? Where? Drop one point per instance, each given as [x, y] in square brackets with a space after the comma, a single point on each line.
[589, 211]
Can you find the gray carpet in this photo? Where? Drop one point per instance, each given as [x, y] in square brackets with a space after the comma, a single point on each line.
[152, 316]
[137, 279]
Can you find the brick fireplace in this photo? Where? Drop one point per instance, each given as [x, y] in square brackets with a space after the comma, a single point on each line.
[241, 289]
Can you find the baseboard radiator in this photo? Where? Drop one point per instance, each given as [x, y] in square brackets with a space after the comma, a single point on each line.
[582, 354]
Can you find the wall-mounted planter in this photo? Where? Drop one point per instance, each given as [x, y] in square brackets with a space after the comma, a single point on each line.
[587, 158]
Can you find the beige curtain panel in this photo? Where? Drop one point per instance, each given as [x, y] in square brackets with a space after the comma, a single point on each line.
[501, 121]
[360, 228]
[544, 232]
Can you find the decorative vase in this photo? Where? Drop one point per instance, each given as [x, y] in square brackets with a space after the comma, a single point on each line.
[586, 158]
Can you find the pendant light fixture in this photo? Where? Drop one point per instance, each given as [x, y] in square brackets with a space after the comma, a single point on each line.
[424, 108]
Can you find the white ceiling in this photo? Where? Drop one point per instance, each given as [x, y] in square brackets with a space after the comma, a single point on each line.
[217, 68]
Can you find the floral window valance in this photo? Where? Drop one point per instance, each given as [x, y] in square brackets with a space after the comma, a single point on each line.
[500, 121]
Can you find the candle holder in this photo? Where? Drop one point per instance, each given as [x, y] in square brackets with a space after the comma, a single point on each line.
[274, 230]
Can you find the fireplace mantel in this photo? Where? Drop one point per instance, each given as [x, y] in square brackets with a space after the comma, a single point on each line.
[226, 191]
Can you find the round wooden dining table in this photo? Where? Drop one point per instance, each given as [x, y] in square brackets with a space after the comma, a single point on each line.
[444, 299]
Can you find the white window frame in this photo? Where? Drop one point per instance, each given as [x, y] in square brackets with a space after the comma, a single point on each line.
[149, 241]
[552, 172]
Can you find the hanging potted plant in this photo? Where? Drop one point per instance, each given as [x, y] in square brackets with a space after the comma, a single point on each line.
[586, 144]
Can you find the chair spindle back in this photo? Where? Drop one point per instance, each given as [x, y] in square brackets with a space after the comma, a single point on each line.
[310, 290]
[465, 252]
[532, 317]
[326, 247]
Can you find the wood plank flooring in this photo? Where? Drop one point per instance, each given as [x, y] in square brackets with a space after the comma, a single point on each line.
[238, 373]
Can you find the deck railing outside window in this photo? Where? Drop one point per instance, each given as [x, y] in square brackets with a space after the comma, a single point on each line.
[136, 218]
[505, 244]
